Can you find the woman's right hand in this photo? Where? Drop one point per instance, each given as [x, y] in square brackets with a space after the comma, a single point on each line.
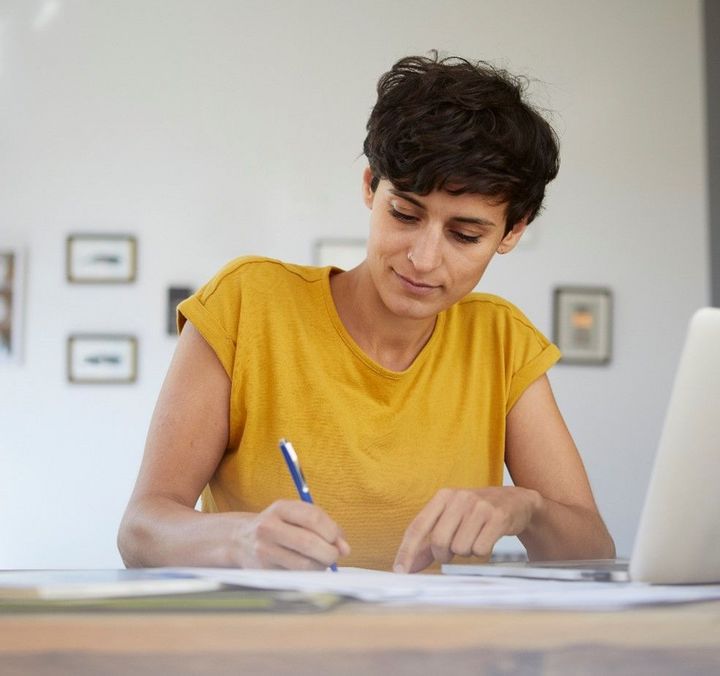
[290, 534]
[187, 439]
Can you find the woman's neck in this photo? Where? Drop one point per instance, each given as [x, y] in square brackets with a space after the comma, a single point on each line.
[393, 342]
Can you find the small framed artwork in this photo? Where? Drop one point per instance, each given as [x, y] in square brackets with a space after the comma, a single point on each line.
[101, 359]
[175, 296]
[11, 277]
[582, 324]
[340, 252]
[101, 259]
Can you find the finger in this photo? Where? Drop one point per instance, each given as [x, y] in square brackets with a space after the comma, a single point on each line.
[309, 545]
[443, 533]
[472, 524]
[343, 547]
[415, 547]
[491, 532]
[274, 556]
[310, 517]
[272, 531]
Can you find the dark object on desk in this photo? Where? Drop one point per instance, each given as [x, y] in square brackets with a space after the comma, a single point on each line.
[223, 600]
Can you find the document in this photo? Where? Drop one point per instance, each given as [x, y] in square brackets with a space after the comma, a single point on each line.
[461, 590]
[364, 585]
[93, 584]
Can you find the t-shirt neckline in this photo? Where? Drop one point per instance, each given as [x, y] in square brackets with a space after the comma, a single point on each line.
[345, 336]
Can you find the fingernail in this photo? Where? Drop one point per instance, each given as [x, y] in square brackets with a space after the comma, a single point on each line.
[399, 568]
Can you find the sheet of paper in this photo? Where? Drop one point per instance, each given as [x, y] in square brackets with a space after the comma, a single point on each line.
[462, 590]
[99, 583]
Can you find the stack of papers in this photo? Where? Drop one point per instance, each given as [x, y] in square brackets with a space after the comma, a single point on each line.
[464, 591]
[144, 590]
[321, 589]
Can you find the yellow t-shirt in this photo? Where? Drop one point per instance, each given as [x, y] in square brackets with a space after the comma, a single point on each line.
[375, 445]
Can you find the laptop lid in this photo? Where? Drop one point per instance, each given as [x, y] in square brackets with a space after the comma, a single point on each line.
[678, 538]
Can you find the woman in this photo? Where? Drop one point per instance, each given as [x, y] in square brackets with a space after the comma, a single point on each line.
[403, 392]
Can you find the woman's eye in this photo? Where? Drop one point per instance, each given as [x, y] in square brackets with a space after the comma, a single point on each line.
[465, 239]
[404, 218]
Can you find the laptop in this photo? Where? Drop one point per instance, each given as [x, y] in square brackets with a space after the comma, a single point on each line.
[678, 537]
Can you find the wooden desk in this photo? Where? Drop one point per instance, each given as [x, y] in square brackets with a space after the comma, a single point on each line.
[362, 639]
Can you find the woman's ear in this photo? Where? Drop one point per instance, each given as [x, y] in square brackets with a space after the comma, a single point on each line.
[509, 241]
[367, 192]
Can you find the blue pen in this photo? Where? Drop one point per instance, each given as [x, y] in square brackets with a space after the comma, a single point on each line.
[297, 476]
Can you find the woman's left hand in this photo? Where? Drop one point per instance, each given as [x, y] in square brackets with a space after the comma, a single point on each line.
[465, 522]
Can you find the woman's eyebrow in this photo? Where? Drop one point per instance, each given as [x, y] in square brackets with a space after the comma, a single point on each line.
[407, 197]
[475, 221]
[461, 219]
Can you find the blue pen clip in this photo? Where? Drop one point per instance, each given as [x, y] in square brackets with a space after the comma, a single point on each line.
[293, 463]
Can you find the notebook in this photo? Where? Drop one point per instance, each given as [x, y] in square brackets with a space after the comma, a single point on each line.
[678, 537]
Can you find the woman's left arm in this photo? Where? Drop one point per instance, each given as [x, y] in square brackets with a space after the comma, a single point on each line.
[540, 455]
[551, 508]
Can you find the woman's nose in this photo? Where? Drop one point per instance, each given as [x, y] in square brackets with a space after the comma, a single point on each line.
[425, 254]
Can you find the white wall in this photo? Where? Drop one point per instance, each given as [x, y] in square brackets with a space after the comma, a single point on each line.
[217, 128]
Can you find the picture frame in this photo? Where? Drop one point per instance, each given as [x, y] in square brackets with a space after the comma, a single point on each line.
[340, 252]
[101, 359]
[101, 259]
[582, 324]
[175, 296]
[12, 272]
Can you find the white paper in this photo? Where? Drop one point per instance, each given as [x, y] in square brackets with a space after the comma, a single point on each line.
[462, 590]
[99, 583]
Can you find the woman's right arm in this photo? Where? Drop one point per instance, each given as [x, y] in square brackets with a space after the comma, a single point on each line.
[187, 438]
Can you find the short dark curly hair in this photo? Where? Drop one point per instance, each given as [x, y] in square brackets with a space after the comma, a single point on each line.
[463, 127]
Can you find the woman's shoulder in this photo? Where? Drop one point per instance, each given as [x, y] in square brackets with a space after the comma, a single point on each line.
[495, 319]
[263, 265]
[492, 308]
[267, 272]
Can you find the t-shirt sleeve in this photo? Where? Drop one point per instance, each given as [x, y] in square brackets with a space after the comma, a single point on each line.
[214, 310]
[531, 355]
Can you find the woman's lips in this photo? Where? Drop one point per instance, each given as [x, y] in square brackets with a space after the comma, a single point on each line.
[418, 288]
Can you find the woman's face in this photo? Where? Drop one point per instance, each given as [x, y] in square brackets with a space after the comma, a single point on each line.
[426, 252]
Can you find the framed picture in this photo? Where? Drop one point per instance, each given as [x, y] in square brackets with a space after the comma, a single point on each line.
[11, 277]
[101, 259]
[582, 324]
[175, 296]
[101, 358]
[342, 253]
